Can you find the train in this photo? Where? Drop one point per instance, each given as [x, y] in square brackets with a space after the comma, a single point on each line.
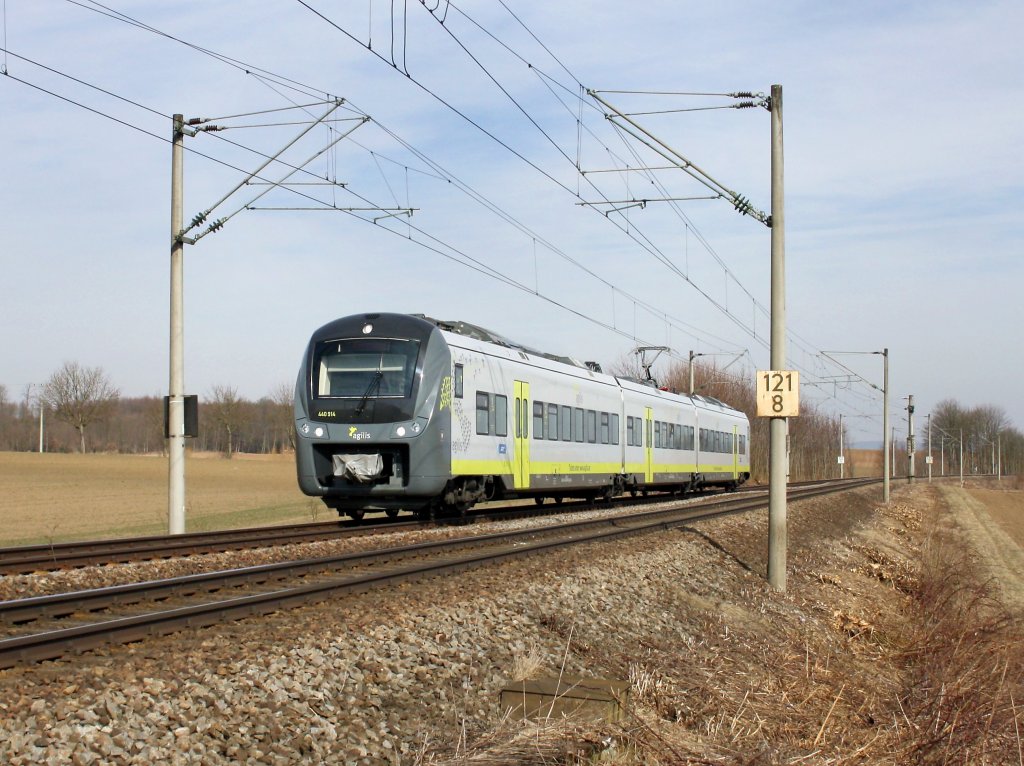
[404, 412]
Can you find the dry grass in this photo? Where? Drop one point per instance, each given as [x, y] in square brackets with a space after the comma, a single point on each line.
[895, 652]
[55, 497]
[965, 666]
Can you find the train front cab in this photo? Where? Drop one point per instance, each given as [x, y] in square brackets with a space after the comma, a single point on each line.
[372, 412]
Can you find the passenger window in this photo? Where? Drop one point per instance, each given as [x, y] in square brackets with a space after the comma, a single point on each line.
[615, 428]
[577, 424]
[566, 424]
[552, 422]
[501, 415]
[657, 433]
[538, 420]
[458, 381]
[592, 426]
[604, 427]
[482, 412]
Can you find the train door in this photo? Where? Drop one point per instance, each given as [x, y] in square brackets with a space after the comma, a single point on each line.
[648, 445]
[521, 433]
[735, 452]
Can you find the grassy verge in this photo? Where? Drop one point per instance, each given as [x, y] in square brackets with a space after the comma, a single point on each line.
[890, 647]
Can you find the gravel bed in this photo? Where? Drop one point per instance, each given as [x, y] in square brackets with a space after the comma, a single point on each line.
[385, 677]
[64, 581]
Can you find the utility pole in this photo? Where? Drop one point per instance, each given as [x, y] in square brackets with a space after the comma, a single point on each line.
[691, 371]
[778, 427]
[176, 391]
[910, 439]
[885, 427]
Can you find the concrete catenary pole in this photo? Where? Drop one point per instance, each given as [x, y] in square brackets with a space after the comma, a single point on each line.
[176, 392]
[910, 438]
[777, 426]
[691, 372]
[885, 427]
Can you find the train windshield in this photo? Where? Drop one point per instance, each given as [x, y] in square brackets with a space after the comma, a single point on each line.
[365, 368]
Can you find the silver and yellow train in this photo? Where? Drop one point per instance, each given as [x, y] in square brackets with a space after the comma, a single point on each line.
[396, 411]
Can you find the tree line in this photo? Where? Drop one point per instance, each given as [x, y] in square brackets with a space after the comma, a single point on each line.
[81, 410]
[989, 437]
[78, 409]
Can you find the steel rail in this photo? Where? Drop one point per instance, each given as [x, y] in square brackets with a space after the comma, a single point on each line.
[55, 556]
[52, 644]
[33, 558]
[64, 604]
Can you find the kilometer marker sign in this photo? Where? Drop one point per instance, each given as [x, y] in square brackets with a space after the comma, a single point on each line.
[778, 393]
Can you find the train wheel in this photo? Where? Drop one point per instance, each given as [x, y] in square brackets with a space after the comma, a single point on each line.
[539, 500]
[357, 514]
[391, 512]
[558, 501]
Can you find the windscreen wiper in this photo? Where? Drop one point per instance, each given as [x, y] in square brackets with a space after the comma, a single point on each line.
[374, 384]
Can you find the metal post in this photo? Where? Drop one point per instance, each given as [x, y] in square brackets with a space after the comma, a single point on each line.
[910, 438]
[929, 447]
[42, 410]
[777, 426]
[691, 372]
[176, 393]
[842, 464]
[999, 458]
[885, 427]
[961, 457]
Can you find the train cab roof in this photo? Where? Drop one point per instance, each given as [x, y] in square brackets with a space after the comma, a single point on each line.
[489, 336]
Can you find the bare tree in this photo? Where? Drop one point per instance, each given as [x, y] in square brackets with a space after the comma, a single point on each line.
[80, 396]
[226, 408]
[283, 398]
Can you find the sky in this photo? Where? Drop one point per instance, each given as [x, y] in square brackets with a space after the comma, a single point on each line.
[488, 185]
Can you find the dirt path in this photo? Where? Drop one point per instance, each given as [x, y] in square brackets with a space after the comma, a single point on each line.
[993, 522]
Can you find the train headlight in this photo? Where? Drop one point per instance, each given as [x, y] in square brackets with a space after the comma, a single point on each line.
[311, 431]
[400, 431]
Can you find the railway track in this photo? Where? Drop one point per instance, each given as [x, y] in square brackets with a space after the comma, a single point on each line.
[70, 555]
[50, 627]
